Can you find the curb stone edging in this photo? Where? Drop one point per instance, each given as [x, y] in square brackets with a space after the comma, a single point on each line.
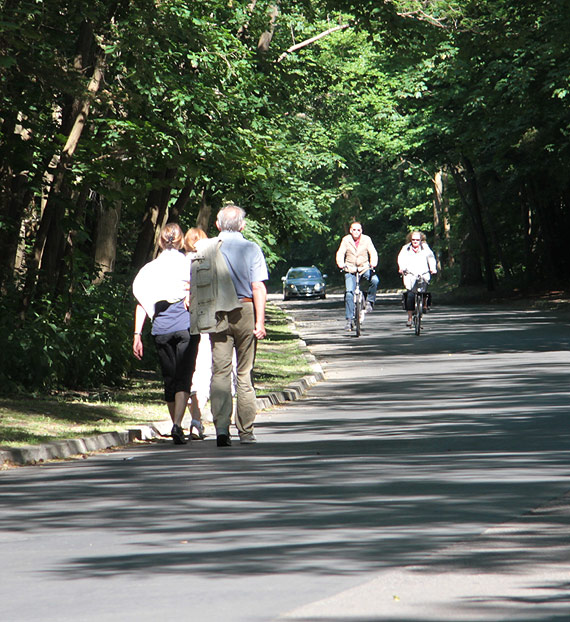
[68, 448]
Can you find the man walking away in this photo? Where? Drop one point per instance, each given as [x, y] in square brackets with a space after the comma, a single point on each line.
[248, 271]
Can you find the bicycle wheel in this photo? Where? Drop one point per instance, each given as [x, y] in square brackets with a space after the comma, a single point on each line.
[419, 312]
[357, 312]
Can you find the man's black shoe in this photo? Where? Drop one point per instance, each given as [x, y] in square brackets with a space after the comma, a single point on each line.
[223, 440]
[178, 435]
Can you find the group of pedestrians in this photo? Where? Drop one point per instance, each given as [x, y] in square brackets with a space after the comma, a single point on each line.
[206, 300]
[357, 255]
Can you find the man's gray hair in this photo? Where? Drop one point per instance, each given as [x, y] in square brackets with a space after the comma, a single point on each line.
[231, 218]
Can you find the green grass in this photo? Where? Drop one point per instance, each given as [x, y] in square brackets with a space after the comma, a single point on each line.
[42, 418]
[280, 359]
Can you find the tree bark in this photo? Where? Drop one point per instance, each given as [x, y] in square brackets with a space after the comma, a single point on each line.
[437, 213]
[203, 220]
[12, 216]
[530, 263]
[54, 210]
[181, 203]
[470, 262]
[107, 230]
[266, 37]
[307, 42]
[16, 192]
[155, 216]
[447, 221]
[551, 261]
[466, 183]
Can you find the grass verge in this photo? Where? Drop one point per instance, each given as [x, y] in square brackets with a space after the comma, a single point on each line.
[42, 418]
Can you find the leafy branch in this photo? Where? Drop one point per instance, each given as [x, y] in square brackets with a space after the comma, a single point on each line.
[307, 42]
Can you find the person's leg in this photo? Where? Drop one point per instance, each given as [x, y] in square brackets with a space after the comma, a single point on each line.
[180, 403]
[245, 348]
[201, 378]
[186, 348]
[194, 407]
[195, 414]
[373, 287]
[193, 346]
[202, 375]
[349, 285]
[167, 359]
[410, 304]
[176, 363]
[221, 384]
[196, 425]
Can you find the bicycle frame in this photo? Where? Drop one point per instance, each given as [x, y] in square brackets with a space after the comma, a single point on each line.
[419, 289]
[359, 299]
[359, 306]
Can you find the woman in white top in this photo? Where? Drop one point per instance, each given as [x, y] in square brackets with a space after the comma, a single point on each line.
[415, 258]
[162, 288]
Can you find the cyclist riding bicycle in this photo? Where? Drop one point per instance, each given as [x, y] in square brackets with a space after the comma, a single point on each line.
[415, 258]
[356, 253]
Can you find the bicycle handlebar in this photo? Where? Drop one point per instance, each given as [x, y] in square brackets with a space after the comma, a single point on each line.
[406, 272]
[346, 270]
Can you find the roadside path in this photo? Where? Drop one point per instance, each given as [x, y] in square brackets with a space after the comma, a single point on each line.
[425, 479]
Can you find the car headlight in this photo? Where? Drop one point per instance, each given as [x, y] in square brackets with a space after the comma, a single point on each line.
[291, 287]
[318, 287]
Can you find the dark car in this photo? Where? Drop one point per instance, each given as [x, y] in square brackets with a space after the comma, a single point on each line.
[304, 282]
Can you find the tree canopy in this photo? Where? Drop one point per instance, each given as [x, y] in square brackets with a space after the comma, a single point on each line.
[117, 117]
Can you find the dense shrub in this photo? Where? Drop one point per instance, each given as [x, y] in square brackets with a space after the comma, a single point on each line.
[90, 349]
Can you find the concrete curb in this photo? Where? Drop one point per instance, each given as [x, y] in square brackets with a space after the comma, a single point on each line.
[296, 389]
[76, 447]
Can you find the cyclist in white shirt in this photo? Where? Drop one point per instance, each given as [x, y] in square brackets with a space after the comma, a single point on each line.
[415, 258]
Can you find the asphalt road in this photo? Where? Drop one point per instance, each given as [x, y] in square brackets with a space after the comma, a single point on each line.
[426, 478]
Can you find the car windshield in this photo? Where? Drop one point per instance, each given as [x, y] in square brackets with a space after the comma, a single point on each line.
[304, 273]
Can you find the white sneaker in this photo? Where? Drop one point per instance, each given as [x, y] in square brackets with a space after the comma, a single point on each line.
[248, 439]
[199, 434]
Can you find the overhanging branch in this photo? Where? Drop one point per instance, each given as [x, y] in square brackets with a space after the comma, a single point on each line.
[422, 16]
[307, 42]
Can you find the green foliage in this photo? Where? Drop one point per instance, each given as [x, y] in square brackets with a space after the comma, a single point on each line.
[349, 113]
[93, 348]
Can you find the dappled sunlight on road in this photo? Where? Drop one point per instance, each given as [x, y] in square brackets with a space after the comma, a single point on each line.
[412, 455]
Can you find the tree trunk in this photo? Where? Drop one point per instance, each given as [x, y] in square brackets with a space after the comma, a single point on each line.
[69, 265]
[466, 183]
[530, 273]
[470, 262]
[54, 207]
[16, 193]
[203, 220]
[155, 216]
[12, 218]
[446, 221]
[552, 219]
[437, 213]
[266, 37]
[107, 230]
[181, 203]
